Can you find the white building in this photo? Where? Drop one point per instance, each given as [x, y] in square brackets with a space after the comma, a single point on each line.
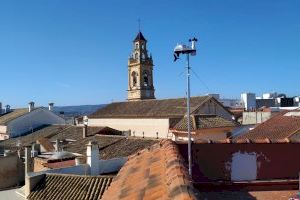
[248, 100]
[17, 122]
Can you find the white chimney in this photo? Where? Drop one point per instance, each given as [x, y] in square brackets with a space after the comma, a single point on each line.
[57, 145]
[92, 154]
[30, 106]
[84, 131]
[50, 106]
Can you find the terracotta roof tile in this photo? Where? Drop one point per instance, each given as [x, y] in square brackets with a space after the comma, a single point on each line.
[280, 128]
[60, 186]
[155, 173]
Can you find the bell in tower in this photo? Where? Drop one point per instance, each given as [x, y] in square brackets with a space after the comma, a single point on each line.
[140, 71]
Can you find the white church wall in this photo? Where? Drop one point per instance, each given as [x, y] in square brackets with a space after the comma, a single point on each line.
[137, 126]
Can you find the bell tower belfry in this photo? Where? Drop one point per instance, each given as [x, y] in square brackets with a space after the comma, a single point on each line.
[140, 71]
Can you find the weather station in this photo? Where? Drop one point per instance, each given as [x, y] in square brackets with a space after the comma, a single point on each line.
[188, 50]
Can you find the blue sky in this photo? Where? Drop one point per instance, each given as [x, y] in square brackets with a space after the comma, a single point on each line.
[75, 52]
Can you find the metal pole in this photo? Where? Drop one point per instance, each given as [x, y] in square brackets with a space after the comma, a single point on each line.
[188, 115]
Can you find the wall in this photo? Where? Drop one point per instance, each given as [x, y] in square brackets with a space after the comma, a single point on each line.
[244, 161]
[82, 169]
[208, 134]
[2, 129]
[255, 117]
[137, 126]
[32, 120]
[212, 107]
[112, 165]
[11, 171]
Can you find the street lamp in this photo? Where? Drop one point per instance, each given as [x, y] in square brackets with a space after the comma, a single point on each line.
[184, 49]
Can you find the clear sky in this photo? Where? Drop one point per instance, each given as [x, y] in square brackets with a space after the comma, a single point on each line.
[75, 52]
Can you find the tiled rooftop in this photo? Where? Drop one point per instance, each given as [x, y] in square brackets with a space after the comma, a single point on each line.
[112, 146]
[150, 108]
[15, 113]
[158, 172]
[73, 187]
[203, 122]
[280, 128]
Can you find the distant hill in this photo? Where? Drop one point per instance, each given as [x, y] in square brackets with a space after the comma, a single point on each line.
[75, 111]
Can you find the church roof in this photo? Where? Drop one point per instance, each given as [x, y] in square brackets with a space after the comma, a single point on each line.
[164, 108]
[139, 37]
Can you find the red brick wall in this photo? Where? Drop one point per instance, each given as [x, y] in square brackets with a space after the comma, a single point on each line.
[275, 161]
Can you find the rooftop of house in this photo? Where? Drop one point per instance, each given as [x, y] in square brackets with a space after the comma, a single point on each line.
[158, 172]
[13, 114]
[284, 126]
[111, 146]
[47, 145]
[57, 186]
[51, 132]
[164, 108]
[198, 122]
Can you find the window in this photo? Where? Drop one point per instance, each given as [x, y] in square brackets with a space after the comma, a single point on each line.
[134, 79]
[136, 45]
[145, 77]
[136, 56]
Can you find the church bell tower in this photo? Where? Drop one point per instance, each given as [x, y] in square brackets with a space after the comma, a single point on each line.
[140, 71]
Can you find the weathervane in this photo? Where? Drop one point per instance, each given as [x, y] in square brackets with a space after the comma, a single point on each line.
[188, 50]
[139, 21]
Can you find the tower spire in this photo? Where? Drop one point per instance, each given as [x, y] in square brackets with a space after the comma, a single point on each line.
[140, 71]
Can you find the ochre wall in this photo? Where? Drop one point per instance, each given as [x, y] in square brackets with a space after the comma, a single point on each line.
[273, 161]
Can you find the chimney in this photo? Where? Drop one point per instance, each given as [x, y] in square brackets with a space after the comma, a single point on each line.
[57, 145]
[84, 131]
[92, 154]
[50, 106]
[28, 160]
[35, 150]
[30, 106]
